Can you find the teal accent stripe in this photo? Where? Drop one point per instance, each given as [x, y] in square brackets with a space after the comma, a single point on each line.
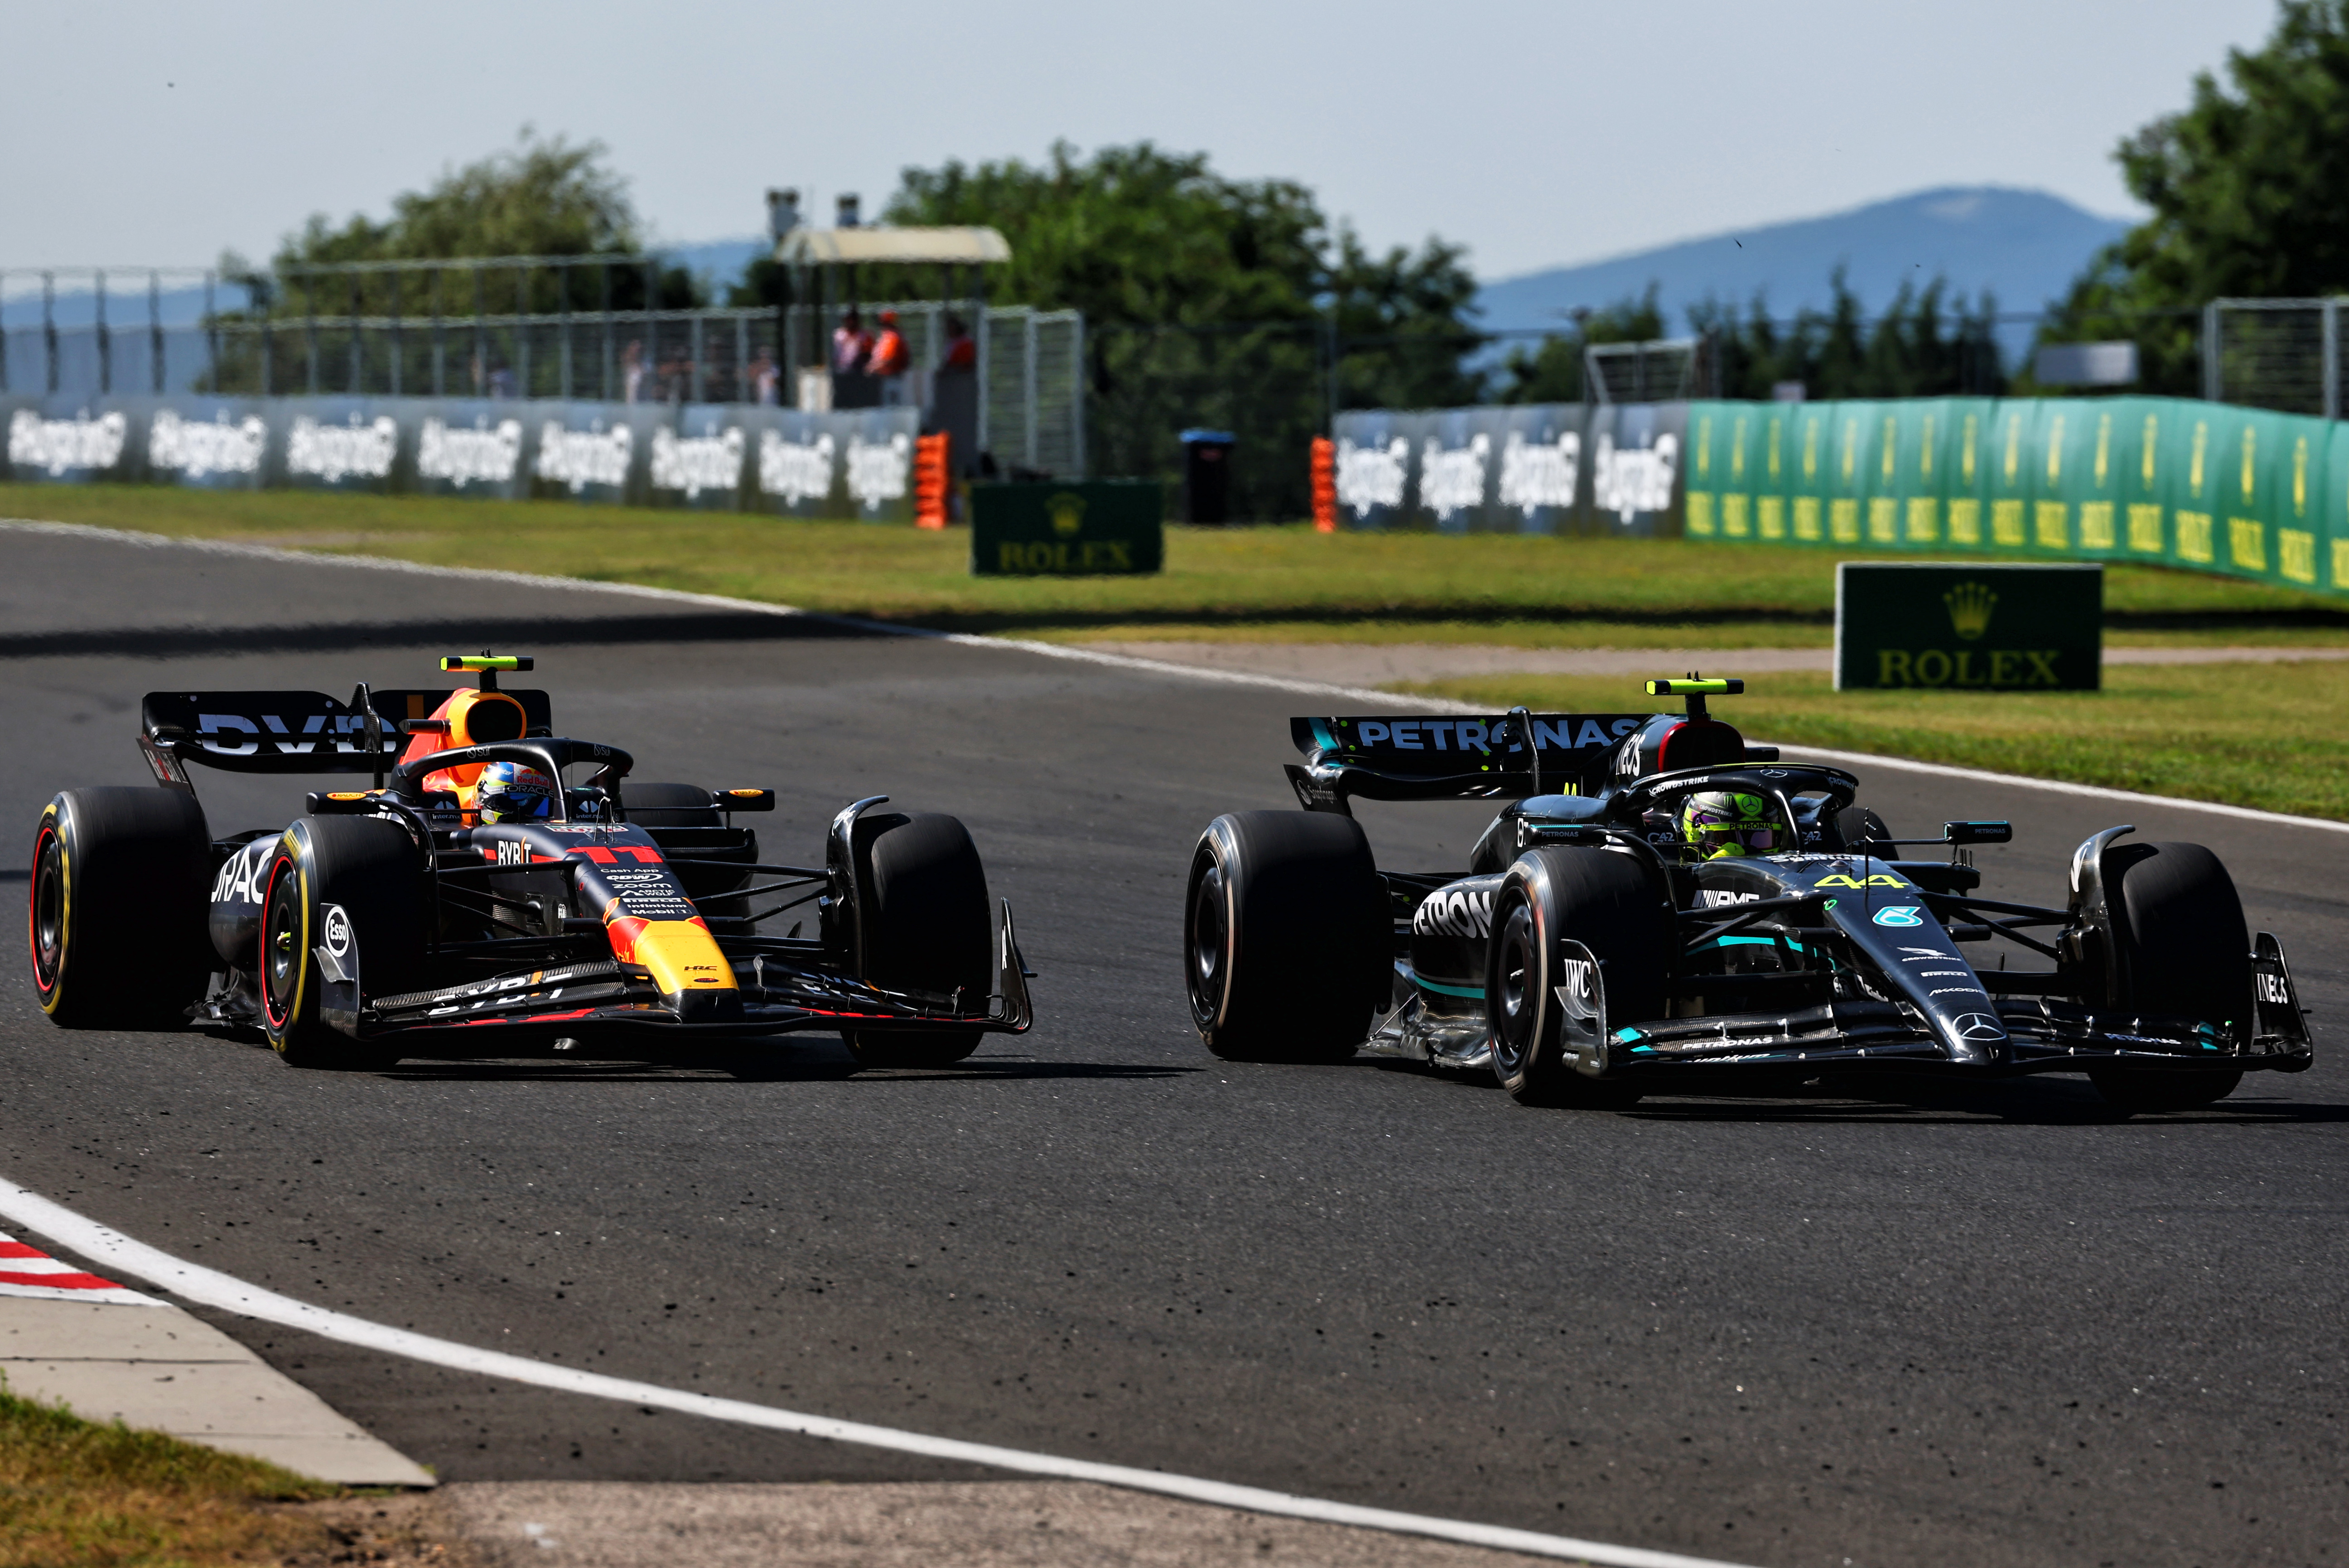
[1749, 942]
[1476, 991]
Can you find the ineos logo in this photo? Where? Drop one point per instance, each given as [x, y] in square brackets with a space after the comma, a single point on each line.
[338, 930]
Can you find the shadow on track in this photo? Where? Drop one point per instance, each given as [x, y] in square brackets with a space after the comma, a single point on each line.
[764, 1064]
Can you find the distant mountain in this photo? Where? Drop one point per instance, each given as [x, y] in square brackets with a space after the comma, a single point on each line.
[2024, 246]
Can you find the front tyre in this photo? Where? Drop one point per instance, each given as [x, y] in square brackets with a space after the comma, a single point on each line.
[116, 916]
[371, 870]
[924, 923]
[1587, 922]
[2181, 949]
[1287, 940]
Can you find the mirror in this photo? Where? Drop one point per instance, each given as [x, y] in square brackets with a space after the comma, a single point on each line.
[1981, 832]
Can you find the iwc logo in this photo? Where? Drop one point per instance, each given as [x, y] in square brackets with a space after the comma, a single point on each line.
[1970, 604]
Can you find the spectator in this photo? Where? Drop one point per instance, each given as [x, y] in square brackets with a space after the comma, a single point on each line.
[766, 379]
[888, 356]
[962, 348]
[851, 345]
[632, 370]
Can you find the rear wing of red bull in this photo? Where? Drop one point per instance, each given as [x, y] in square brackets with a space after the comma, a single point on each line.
[1421, 757]
[292, 731]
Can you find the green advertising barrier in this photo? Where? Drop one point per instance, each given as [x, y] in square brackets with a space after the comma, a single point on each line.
[1977, 625]
[1092, 527]
[2202, 486]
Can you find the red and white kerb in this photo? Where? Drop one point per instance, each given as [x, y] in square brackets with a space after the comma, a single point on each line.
[27, 1271]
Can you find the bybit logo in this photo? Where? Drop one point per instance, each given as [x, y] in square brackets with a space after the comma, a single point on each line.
[1970, 604]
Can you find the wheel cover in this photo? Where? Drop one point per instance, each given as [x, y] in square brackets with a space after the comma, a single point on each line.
[1517, 1000]
[281, 942]
[47, 916]
[1209, 943]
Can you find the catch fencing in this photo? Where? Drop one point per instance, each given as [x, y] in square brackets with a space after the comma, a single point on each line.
[855, 464]
[2203, 486]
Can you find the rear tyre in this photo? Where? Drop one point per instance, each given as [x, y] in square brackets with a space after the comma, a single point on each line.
[924, 924]
[1604, 901]
[1287, 942]
[2180, 950]
[372, 870]
[1861, 831]
[120, 883]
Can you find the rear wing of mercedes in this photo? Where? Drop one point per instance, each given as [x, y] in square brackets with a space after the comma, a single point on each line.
[1449, 757]
[292, 731]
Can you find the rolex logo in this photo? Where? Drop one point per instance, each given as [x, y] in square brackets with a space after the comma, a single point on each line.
[1969, 605]
[1067, 512]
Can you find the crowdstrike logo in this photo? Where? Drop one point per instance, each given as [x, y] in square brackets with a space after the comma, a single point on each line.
[195, 449]
[878, 472]
[1628, 481]
[696, 463]
[1371, 476]
[577, 459]
[336, 452]
[461, 457]
[1536, 476]
[60, 446]
[1453, 480]
[794, 471]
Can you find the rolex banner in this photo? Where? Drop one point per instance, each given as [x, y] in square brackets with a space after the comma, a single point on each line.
[1975, 626]
[2165, 480]
[1050, 529]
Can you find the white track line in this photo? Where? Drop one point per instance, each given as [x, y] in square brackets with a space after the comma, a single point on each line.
[212, 1288]
[1113, 660]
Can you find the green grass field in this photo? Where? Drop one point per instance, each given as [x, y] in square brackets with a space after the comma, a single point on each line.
[2231, 731]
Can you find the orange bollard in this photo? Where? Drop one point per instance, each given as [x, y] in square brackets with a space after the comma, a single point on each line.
[933, 476]
[1325, 484]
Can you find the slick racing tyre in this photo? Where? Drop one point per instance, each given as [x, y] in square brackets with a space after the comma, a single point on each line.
[1858, 829]
[116, 919]
[370, 869]
[1287, 940]
[1605, 902]
[924, 924]
[2180, 949]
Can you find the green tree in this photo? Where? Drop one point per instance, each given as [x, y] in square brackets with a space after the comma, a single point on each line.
[2249, 187]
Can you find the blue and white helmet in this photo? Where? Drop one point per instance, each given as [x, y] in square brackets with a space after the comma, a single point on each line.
[513, 792]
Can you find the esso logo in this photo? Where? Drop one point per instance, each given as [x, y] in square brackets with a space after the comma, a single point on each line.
[338, 930]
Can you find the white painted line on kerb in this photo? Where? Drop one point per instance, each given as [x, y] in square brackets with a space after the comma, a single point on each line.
[1113, 660]
[212, 1288]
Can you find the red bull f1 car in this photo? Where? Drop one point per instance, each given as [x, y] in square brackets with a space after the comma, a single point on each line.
[496, 887]
[1662, 907]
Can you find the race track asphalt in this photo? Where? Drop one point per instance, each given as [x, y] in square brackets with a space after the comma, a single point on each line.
[1956, 1326]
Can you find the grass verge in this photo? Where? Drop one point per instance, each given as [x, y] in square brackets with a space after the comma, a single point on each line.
[1271, 582]
[2234, 733]
[74, 1491]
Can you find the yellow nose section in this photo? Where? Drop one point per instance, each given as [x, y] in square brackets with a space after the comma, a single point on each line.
[681, 955]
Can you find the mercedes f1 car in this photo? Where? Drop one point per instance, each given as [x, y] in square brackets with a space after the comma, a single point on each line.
[1662, 907]
[470, 898]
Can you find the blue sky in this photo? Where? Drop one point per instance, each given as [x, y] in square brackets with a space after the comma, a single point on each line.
[1535, 133]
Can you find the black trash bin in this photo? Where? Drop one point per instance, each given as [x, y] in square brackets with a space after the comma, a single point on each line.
[1206, 476]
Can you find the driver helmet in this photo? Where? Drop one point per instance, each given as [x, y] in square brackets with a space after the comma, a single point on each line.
[1719, 824]
[513, 792]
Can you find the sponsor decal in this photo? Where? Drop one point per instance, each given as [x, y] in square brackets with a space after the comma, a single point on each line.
[512, 852]
[239, 878]
[1465, 735]
[577, 459]
[2020, 667]
[338, 930]
[1533, 477]
[1970, 604]
[1714, 898]
[332, 454]
[794, 471]
[1898, 914]
[2271, 988]
[60, 446]
[696, 463]
[1453, 480]
[195, 450]
[1455, 912]
[1371, 476]
[878, 472]
[1061, 556]
[1631, 480]
[1877, 880]
[1927, 955]
[484, 454]
[1957, 991]
[1977, 1027]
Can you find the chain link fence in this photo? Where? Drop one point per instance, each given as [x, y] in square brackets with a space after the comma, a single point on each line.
[2279, 354]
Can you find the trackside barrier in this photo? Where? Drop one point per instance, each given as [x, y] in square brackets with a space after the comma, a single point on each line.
[853, 465]
[2205, 486]
[1539, 468]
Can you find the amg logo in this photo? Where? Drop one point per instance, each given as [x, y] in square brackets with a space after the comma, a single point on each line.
[1455, 912]
[1714, 898]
